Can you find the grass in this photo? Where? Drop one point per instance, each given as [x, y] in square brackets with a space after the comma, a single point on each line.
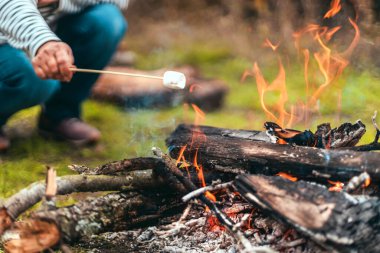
[133, 133]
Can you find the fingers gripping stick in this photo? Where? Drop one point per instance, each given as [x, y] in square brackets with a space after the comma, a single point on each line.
[171, 79]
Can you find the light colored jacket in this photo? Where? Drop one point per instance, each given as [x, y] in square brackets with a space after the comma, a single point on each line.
[25, 26]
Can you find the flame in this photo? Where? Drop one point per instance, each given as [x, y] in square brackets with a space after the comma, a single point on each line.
[180, 155]
[337, 186]
[330, 33]
[367, 182]
[249, 220]
[200, 116]
[197, 134]
[214, 224]
[278, 114]
[329, 64]
[201, 177]
[268, 43]
[354, 42]
[335, 7]
[287, 176]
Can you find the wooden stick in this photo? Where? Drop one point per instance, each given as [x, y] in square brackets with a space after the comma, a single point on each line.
[114, 73]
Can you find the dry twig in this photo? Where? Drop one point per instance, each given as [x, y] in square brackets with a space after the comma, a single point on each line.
[205, 189]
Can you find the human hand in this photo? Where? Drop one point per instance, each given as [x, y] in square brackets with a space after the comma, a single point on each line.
[53, 60]
[45, 2]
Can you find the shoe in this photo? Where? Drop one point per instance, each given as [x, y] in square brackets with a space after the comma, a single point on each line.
[72, 130]
[4, 142]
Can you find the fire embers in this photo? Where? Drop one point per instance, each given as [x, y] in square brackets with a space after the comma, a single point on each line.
[346, 135]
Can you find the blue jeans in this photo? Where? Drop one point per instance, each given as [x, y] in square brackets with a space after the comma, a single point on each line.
[92, 34]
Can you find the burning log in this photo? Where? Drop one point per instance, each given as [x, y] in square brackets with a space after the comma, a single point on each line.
[51, 226]
[150, 189]
[345, 136]
[233, 228]
[241, 151]
[337, 221]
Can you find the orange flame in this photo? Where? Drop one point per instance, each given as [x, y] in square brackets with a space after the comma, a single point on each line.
[337, 186]
[214, 224]
[180, 155]
[197, 134]
[335, 7]
[367, 182]
[201, 177]
[287, 176]
[200, 116]
[268, 43]
[330, 33]
[330, 64]
[249, 221]
[278, 113]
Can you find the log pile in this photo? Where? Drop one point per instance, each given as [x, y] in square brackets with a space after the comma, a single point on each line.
[162, 203]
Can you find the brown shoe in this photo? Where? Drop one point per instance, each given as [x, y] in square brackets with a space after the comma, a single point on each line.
[4, 142]
[73, 130]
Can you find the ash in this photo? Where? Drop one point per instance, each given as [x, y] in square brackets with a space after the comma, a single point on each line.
[198, 231]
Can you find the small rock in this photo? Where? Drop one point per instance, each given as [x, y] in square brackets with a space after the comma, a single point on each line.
[146, 235]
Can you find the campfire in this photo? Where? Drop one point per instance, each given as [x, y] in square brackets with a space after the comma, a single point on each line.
[224, 190]
[310, 199]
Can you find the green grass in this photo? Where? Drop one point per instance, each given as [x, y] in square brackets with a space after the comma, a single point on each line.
[133, 133]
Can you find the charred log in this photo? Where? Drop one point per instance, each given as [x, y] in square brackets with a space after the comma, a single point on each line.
[346, 135]
[337, 221]
[240, 151]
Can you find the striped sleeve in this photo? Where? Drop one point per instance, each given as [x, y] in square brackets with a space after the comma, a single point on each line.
[23, 25]
[72, 6]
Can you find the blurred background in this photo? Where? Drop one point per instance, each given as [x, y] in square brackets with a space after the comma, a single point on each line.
[222, 40]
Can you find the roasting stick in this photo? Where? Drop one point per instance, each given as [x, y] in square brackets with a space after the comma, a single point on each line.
[171, 79]
[95, 71]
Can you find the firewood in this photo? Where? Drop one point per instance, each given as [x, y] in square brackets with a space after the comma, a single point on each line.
[346, 135]
[234, 229]
[335, 220]
[112, 212]
[241, 151]
[18, 203]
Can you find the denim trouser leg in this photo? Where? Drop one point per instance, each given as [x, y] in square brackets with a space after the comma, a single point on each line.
[93, 35]
[20, 87]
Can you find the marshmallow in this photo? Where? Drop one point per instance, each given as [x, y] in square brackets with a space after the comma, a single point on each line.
[174, 80]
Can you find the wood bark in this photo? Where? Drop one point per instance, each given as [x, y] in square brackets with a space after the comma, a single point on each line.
[240, 151]
[29, 196]
[127, 174]
[112, 212]
[337, 221]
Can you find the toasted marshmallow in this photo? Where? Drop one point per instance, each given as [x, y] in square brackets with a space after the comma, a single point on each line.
[174, 80]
